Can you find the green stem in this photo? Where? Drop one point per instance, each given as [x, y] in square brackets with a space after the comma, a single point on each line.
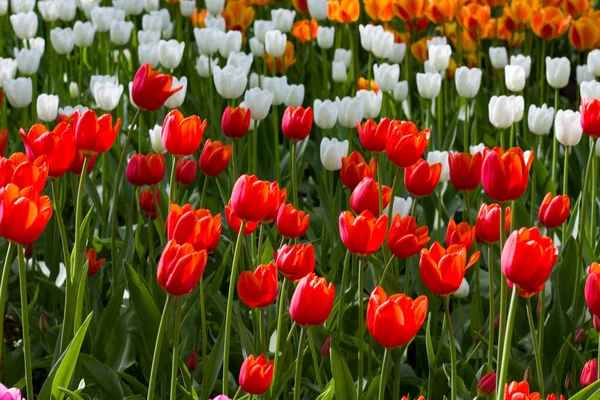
[361, 327]
[204, 190]
[238, 393]
[25, 321]
[507, 343]
[298, 377]
[175, 363]
[294, 177]
[555, 141]
[452, 349]
[380, 182]
[157, 346]
[440, 122]
[275, 120]
[536, 349]
[541, 81]
[261, 330]
[466, 128]
[439, 213]
[492, 311]
[512, 136]
[313, 350]
[4, 289]
[203, 323]
[279, 327]
[172, 182]
[255, 149]
[467, 206]
[594, 193]
[503, 293]
[342, 296]
[384, 373]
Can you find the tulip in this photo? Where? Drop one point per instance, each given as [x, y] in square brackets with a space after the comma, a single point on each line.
[487, 384]
[590, 117]
[94, 135]
[401, 206]
[47, 107]
[63, 40]
[593, 62]
[231, 42]
[275, 42]
[155, 139]
[250, 198]
[235, 222]
[235, 122]
[463, 291]
[259, 102]
[325, 37]
[214, 158]
[383, 43]
[350, 110]
[278, 86]
[366, 33]
[261, 27]
[3, 141]
[49, 10]
[93, 263]
[505, 174]
[404, 238]
[405, 144]
[429, 85]
[549, 22]
[215, 7]
[275, 199]
[567, 127]
[24, 24]
[519, 391]
[439, 55]
[180, 268]
[145, 169]
[170, 53]
[229, 81]
[292, 223]
[442, 270]
[468, 81]
[76, 166]
[502, 111]
[58, 146]
[362, 235]
[258, 289]
[583, 74]
[332, 151]
[558, 71]
[461, 234]
[8, 68]
[202, 66]
[395, 320]
[182, 136]
[19, 92]
[256, 47]
[107, 95]
[185, 173]
[325, 113]
[579, 336]
[343, 55]
[420, 179]
[514, 76]
[148, 37]
[312, 301]
[386, 76]
[317, 9]
[297, 123]
[487, 227]
[554, 211]
[440, 157]
[151, 89]
[192, 360]
[373, 136]
[339, 74]
[23, 213]
[256, 375]
[27, 62]
[103, 16]
[295, 96]
[208, 40]
[283, 19]
[120, 32]
[19, 170]
[498, 57]
[372, 102]
[296, 261]
[465, 170]
[10, 393]
[539, 119]
[592, 289]
[589, 374]
[176, 100]
[397, 53]
[366, 196]
[354, 169]
[523, 61]
[196, 227]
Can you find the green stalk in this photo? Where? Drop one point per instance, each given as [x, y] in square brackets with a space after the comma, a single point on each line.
[542, 63]
[279, 327]
[503, 295]
[594, 193]
[237, 394]
[380, 182]
[342, 296]
[536, 349]
[466, 128]
[275, 120]
[172, 181]
[229, 315]
[203, 323]
[439, 213]
[555, 141]
[361, 327]
[175, 363]
[565, 190]
[261, 330]
[157, 346]
[294, 177]
[313, 350]
[440, 122]
[384, 373]
[4, 288]
[507, 343]
[452, 349]
[298, 377]
[255, 149]
[25, 321]
[492, 304]
[204, 190]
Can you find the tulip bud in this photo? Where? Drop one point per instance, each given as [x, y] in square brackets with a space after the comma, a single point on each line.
[185, 173]
[326, 347]
[579, 336]
[567, 127]
[275, 42]
[496, 321]
[18, 91]
[372, 103]
[498, 57]
[283, 19]
[192, 361]
[596, 323]
[44, 324]
[539, 119]
[240, 60]
[295, 96]
[400, 91]
[558, 71]
[487, 384]
[429, 85]
[63, 40]
[527, 374]
[468, 81]
[501, 112]
[523, 61]
[317, 9]
[366, 35]
[383, 42]
[343, 55]
[386, 76]
[568, 382]
[47, 107]
[583, 74]
[439, 56]
[229, 81]
[332, 152]
[593, 61]
[338, 72]
[208, 40]
[400, 206]
[325, 113]
[325, 37]
[261, 27]
[589, 374]
[350, 110]
[514, 77]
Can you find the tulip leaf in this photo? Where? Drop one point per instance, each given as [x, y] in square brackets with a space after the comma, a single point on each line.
[328, 392]
[104, 377]
[344, 387]
[107, 321]
[70, 394]
[429, 342]
[589, 393]
[213, 366]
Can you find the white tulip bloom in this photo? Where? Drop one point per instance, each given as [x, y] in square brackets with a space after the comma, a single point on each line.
[400, 206]
[28, 61]
[216, 22]
[47, 107]
[202, 66]
[21, 6]
[49, 10]
[439, 55]
[441, 157]
[539, 119]
[170, 53]
[120, 32]
[156, 139]
[240, 60]
[84, 34]
[325, 113]
[325, 37]
[372, 102]
[350, 110]
[176, 99]
[567, 127]
[332, 151]
[148, 54]
[187, 8]
[463, 290]
[514, 78]
[24, 24]
[19, 92]
[590, 90]
[73, 90]
[498, 57]
[429, 85]
[208, 40]
[230, 43]
[593, 62]
[400, 92]
[343, 55]
[339, 72]
[523, 61]
[283, 19]
[256, 47]
[583, 74]
[261, 27]
[215, 7]
[103, 17]
[152, 22]
[107, 95]
[276, 85]
[386, 76]
[397, 54]
[383, 43]
[259, 102]
[295, 95]
[501, 112]
[317, 9]
[275, 42]
[468, 81]
[558, 72]
[229, 81]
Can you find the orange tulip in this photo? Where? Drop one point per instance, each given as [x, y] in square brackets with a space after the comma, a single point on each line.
[408, 10]
[94, 135]
[57, 145]
[354, 169]
[196, 227]
[419, 49]
[292, 223]
[23, 214]
[440, 11]
[461, 234]
[364, 84]
[554, 210]
[362, 235]
[343, 11]
[235, 122]
[256, 375]
[442, 270]
[518, 14]
[505, 174]
[365, 196]
[235, 222]
[148, 203]
[250, 198]
[145, 169]
[182, 136]
[198, 17]
[519, 391]
[76, 165]
[288, 55]
[93, 263]
[19, 170]
[379, 10]
[301, 6]
[295, 262]
[584, 34]
[303, 32]
[238, 15]
[276, 198]
[473, 16]
[405, 144]
[576, 8]
[405, 239]
[214, 158]
[180, 268]
[150, 89]
[549, 22]
[312, 301]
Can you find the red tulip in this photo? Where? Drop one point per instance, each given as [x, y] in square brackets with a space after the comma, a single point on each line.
[297, 122]
[354, 169]
[487, 227]
[527, 258]
[590, 117]
[292, 223]
[365, 196]
[256, 375]
[552, 396]
[296, 261]
[145, 169]
[235, 122]
[312, 301]
[592, 289]
[395, 320]
[589, 374]
[77, 164]
[235, 223]
[596, 323]
[362, 235]
[94, 135]
[196, 227]
[404, 238]
[192, 361]
[461, 234]
[505, 174]
[487, 384]
[258, 289]
[23, 173]
[373, 136]
[185, 173]
[3, 141]
[23, 214]
[57, 145]
[405, 144]
[276, 199]
[519, 391]
[250, 198]
[554, 210]
[442, 270]
[465, 170]
[182, 136]
[150, 89]
[148, 203]
[93, 263]
[214, 158]
[180, 268]
[421, 178]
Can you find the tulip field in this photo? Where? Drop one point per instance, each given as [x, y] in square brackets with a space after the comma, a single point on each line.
[299, 199]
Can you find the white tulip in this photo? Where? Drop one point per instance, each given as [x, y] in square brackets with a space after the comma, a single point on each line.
[343, 55]
[325, 37]
[49, 10]
[187, 7]
[468, 81]
[261, 27]
[148, 37]
[523, 61]
[276, 85]
[501, 112]
[24, 24]
[47, 107]
[400, 206]
[131, 7]
[539, 119]
[332, 151]
[275, 42]
[208, 40]
[215, 7]
[107, 95]
[156, 139]
[325, 113]
[317, 9]
[338, 72]
[120, 32]
[87, 8]
[400, 92]
[478, 148]
[428, 68]
[383, 43]
[498, 57]
[151, 5]
[463, 290]
[558, 71]
[437, 40]
[590, 90]
[84, 34]
[518, 104]
[583, 74]
[67, 10]
[514, 78]
[73, 90]
[176, 99]
[102, 17]
[37, 43]
[593, 62]
[350, 110]
[283, 19]
[8, 69]
[567, 127]
[366, 35]
[295, 95]
[429, 85]
[229, 81]
[3, 7]
[63, 40]
[439, 55]
[97, 79]
[216, 22]
[148, 54]
[397, 54]
[165, 15]
[69, 111]
[152, 22]
[254, 80]
[386, 76]
[256, 47]
[231, 43]
[259, 102]
[441, 157]
[28, 61]
[202, 67]
[170, 53]
[372, 102]
[21, 6]
[19, 92]
[240, 60]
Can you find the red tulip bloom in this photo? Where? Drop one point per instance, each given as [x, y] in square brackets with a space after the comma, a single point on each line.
[297, 122]
[196, 227]
[256, 375]
[180, 268]
[405, 144]
[250, 198]
[592, 289]
[182, 136]
[554, 210]
[23, 214]
[404, 238]
[362, 235]
[150, 89]
[76, 165]
[57, 145]
[373, 136]
[505, 174]
[365, 196]
[296, 261]
[519, 391]
[552, 396]
[214, 158]
[292, 223]
[3, 141]
[94, 135]
[23, 173]
[192, 361]
[395, 320]
[235, 122]
[589, 374]
[487, 384]
[461, 234]
[590, 117]
[421, 178]
[442, 270]
[487, 227]
[258, 289]
[145, 169]
[93, 263]
[465, 170]
[185, 173]
[148, 203]
[527, 258]
[354, 169]
[235, 223]
[312, 301]
[276, 199]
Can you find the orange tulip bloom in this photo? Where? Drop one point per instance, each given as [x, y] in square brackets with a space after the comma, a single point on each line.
[365, 196]
[23, 214]
[302, 32]
[362, 235]
[288, 56]
[343, 11]
[468, 38]
[196, 227]
[76, 165]
[301, 6]
[405, 144]
[292, 223]
[592, 289]
[150, 89]
[180, 268]
[461, 234]
[258, 289]
[3, 141]
[576, 8]
[20, 171]
[235, 122]
[250, 198]
[487, 227]
[442, 270]
[584, 34]
[276, 198]
[235, 223]
[404, 238]
[354, 169]
[364, 84]
[57, 145]
[379, 10]
[256, 375]
[198, 17]
[185, 172]
[182, 136]
[502, 31]
[419, 49]
[94, 264]
[214, 158]
[473, 16]
[497, 3]
[238, 15]
[519, 391]
[408, 10]
[94, 135]
[554, 210]
[518, 14]
[440, 11]
[549, 22]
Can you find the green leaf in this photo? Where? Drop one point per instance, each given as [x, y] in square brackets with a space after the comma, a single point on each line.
[341, 374]
[107, 321]
[589, 393]
[328, 392]
[213, 366]
[429, 343]
[71, 394]
[104, 377]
